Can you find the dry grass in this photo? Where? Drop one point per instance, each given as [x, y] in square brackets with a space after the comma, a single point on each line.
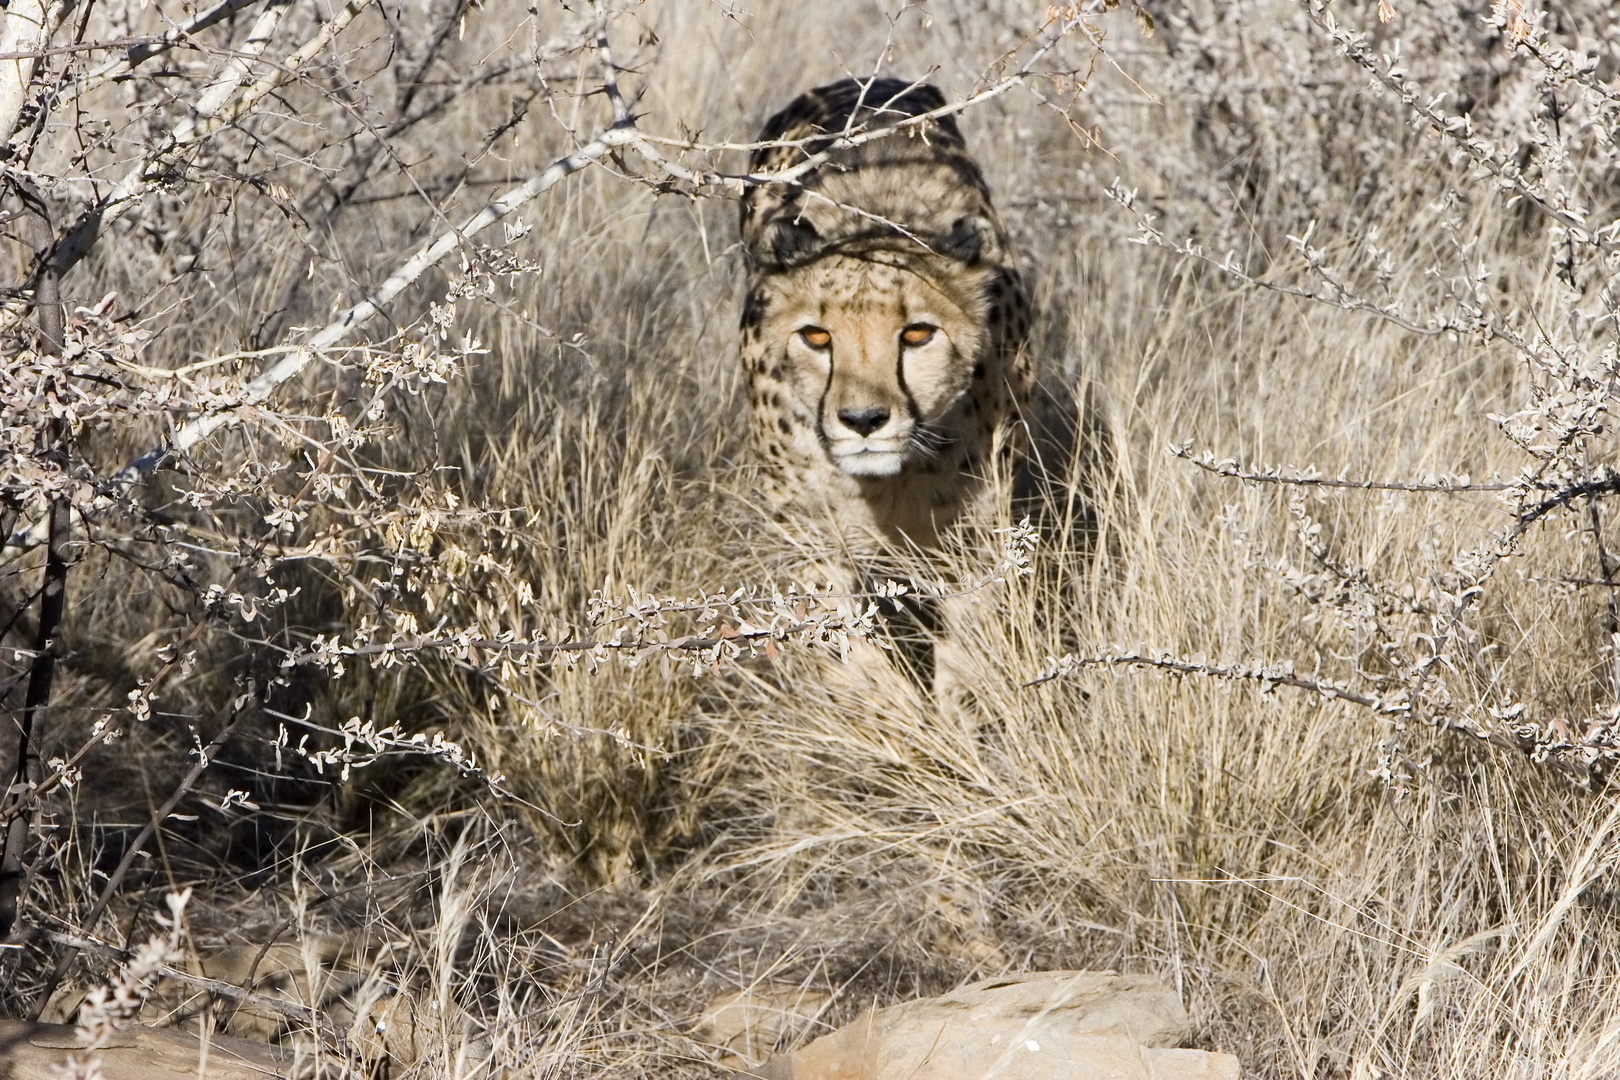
[835, 826]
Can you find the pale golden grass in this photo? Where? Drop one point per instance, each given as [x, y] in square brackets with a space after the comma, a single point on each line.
[836, 825]
[1229, 841]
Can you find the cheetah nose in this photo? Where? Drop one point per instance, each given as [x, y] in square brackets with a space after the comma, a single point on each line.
[864, 421]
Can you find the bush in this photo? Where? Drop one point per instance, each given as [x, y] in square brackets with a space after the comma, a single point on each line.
[434, 596]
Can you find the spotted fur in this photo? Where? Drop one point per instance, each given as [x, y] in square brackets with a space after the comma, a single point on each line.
[884, 325]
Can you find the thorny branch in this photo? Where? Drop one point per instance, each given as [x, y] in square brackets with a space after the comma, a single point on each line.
[204, 755]
[1458, 130]
[65, 373]
[1284, 475]
[622, 133]
[1596, 748]
[1574, 385]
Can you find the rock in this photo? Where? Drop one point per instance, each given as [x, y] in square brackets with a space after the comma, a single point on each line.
[1054, 1025]
[749, 1025]
[40, 1052]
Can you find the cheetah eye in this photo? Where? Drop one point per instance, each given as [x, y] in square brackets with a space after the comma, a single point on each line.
[918, 334]
[816, 337]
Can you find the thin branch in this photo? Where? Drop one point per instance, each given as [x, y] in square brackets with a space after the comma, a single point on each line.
[1278, 474]
[52, 605]
[278, 1005]
[1267, 677]
[1455, 129]
[1596, 749]
[22, 791]
[622, 133]
[209, 115]
[1341, 297]
[144, 49]
[26, 29]
[204, 757]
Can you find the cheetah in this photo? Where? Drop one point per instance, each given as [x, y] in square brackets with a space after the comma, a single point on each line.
[884, 324]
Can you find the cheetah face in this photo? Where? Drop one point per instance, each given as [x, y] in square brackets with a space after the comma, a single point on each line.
[882, 356]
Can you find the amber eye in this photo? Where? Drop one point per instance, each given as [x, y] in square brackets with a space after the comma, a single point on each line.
[816, 337]
[918, 334]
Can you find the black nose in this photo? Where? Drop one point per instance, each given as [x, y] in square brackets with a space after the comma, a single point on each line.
[864, 421]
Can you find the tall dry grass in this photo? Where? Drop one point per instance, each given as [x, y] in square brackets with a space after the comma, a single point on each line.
[1231, 841]
[835, 825]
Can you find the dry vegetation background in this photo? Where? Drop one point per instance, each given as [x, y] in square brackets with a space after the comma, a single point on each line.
[1412, 874]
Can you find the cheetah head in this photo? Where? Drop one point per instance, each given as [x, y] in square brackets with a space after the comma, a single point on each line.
[881, 352]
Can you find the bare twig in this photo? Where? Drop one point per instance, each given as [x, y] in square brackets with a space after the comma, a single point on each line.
[141, 51]
[292, 1010]
[1456, 129]
[52, 603]
[212, 111]
[621, 133]
[1283, 475]
[26, 28]
[1598, 745]
[205, 756]
[1267, 677]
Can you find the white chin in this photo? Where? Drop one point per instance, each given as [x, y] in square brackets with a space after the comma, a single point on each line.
[872, 465]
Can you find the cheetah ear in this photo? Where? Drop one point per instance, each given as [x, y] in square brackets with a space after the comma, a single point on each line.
[789, 240]
[971, 239]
